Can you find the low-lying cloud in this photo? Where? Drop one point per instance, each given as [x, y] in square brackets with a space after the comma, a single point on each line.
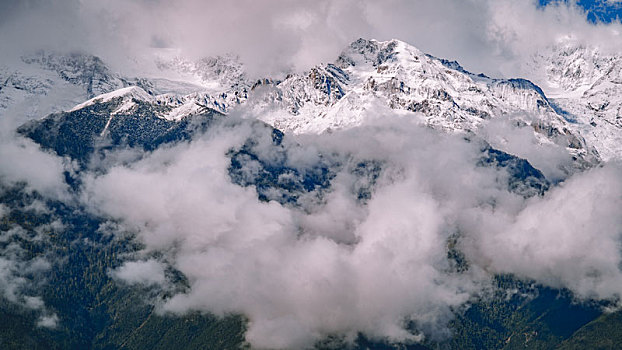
[571, 238]
[341, 266]
[22, 274]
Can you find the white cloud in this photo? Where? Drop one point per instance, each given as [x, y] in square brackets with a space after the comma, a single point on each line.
[147, 272]
[272, 36]
[343, 267]
[22, 274]
[49, 321]
[551, 159]
[570, 238]
[33, 302]
[22, 160]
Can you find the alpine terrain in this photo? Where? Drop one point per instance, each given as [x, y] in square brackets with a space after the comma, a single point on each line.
[388, 199]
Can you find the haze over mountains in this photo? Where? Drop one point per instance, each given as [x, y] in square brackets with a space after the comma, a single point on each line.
[381, 197]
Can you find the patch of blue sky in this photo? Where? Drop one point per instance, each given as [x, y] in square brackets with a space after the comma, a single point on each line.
[597, 11]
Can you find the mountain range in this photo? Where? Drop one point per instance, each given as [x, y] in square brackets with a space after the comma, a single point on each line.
[76, 107]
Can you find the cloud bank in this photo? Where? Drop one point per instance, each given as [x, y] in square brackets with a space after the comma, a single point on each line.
[342, 266]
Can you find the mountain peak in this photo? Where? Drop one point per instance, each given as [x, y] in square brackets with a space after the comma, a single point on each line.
[375, 52]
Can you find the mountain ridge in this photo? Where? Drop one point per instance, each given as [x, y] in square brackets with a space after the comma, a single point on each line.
[139, 136]
[438, 92]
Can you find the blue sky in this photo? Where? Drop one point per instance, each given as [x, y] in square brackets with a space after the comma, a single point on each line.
[596, 10]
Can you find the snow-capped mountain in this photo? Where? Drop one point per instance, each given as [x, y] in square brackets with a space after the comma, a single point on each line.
[586, 84]
[46, 82]
[116, 132]
[582, 115]
[402, 77]
[42, 83]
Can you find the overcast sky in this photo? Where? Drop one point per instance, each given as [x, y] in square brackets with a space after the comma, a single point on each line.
[299, 275]
[273, 36]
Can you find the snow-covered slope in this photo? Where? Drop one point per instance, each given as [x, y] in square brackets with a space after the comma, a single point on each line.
[399, 76]
[44, 83]
[168, 106]
[41, 83]
[368, 79]
[585, 83]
